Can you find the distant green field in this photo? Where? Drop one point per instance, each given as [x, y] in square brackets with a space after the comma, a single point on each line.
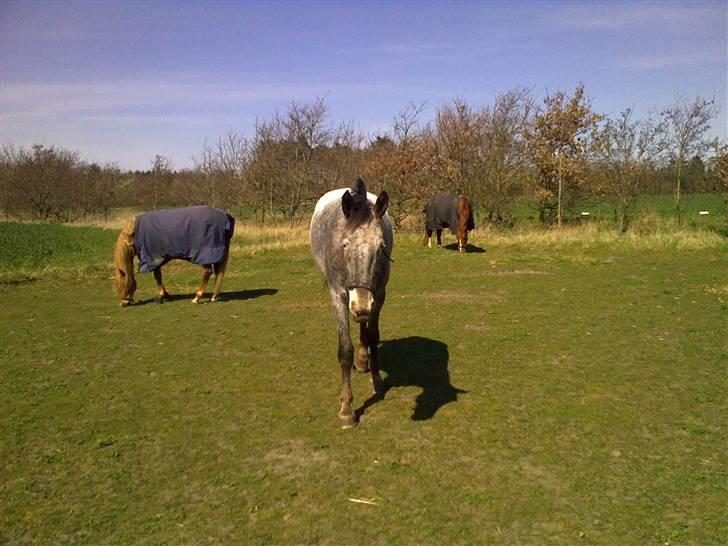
[543, 389]
[525, 211]
[663, 206]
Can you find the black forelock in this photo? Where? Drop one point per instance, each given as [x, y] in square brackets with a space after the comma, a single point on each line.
[361, 211]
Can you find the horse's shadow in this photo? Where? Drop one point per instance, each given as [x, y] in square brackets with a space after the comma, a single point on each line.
[420, 362]
[469, 249]
[223, 297]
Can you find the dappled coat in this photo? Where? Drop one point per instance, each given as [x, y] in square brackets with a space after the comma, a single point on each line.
[197, 234]
[441, 212]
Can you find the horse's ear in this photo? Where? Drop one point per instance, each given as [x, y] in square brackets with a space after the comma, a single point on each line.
[381, 205]
[361, 187]
[347, 203]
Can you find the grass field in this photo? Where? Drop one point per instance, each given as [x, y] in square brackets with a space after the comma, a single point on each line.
[544, 389]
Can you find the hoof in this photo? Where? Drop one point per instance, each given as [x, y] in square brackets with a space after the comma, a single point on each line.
[346, 422]
[196, 300]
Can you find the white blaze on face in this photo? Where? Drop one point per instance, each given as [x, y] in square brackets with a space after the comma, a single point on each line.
[361, 301]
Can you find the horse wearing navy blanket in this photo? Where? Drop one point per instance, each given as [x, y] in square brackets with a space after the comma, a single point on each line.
[448, 211]
[352, 241]
[200, 235]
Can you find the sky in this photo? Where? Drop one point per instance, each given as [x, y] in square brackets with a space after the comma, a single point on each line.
[122, 81]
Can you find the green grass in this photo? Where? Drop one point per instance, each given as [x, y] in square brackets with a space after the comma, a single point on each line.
[30, 250]
[594, 413]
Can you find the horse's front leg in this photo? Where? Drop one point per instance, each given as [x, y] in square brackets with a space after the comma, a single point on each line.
[206, 272]
[362, 355]
[161, 290]
[428, 238]
[439, 237]
[346, 358]
[373, 340]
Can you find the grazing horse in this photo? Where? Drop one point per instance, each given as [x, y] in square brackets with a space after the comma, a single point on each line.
[200, 235]
[352, 241]
[445, 210]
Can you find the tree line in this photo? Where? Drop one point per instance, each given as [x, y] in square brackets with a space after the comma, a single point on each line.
[552, 152]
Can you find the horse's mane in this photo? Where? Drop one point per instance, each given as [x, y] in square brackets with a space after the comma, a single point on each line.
[124, 261]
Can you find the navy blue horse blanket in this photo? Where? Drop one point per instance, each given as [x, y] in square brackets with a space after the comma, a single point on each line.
[197, 234]
[442, 212]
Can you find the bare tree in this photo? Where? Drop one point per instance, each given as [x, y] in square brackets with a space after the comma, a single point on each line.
[459, 133]
[686, 127]
[720, 165]
[41, 182]
[159, 180]
[628, 150]
[287, 154]
[397, 163]
[505, 162]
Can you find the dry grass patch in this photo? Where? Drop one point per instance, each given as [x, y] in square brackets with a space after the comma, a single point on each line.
[253, 239]
[596, 235]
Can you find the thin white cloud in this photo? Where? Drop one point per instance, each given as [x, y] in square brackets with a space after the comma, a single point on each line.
[133, 99]
[659, 62]
[684, 17]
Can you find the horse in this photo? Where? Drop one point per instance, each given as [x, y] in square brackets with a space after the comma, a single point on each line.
[352, 242]
[200, 235]
[445, 210]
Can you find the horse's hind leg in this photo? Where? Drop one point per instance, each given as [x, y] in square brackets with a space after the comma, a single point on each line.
[439, 237]
[206, 272]
[161, 290]
[219, 274]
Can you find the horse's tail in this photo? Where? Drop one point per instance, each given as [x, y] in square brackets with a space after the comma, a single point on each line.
[229, 232]
[124, 263]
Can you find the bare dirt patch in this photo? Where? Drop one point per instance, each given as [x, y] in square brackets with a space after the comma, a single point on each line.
[292, 457]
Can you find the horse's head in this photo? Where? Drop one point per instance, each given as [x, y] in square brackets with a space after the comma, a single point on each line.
[465, 212]
[124, 264]
[365, 249]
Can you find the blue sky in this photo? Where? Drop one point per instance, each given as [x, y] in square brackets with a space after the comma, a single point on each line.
[123, 81]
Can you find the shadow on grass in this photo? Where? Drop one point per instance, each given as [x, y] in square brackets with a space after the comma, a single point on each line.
[469, 249]
[416, 362]
[18, 281]
[223, 297]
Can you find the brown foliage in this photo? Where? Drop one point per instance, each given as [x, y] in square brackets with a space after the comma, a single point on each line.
[561, 140]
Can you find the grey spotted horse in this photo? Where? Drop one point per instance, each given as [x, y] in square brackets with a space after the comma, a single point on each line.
[352, 242]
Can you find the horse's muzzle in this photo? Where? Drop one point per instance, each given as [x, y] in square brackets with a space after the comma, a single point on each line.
[361, 301]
